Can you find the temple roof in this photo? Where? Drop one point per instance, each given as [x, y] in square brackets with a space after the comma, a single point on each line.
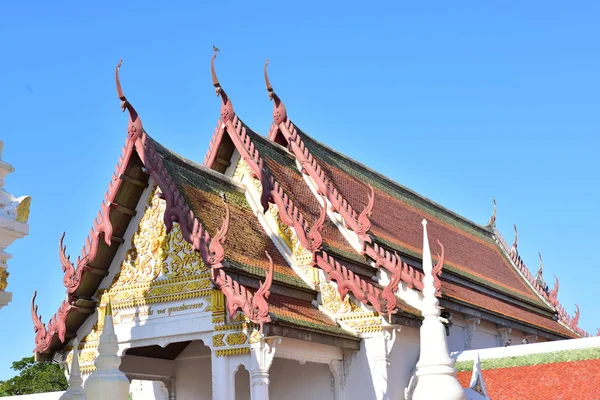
[556, 370]
[477, 270]
[471, 251]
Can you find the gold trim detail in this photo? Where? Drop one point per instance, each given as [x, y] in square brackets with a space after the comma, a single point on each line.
[232, 352]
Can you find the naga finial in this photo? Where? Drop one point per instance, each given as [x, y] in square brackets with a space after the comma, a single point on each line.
[135, 124]
[279, 110]
[513, 249]
[492, 221]
[226, 107]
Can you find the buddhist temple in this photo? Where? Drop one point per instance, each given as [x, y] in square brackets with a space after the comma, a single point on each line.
[280, 268]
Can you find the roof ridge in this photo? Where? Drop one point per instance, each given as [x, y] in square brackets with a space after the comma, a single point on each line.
[196, 167]
[358, 223]
[397, 185]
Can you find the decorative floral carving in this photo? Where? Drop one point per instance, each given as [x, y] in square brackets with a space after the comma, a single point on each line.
[149, 247]
[332, 301]
[236, 339]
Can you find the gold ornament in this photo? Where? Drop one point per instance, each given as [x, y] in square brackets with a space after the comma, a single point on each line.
[218, 340]
[23, 210]
[236, 339]
[3, 279]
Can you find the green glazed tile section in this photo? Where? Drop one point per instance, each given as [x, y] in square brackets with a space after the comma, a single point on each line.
[533, 359]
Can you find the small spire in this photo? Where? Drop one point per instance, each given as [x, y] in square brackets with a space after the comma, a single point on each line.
[541, 267]
[492, 221]
[226, 107]
[477, 384]
[436, 376]
[75, 389]
[513, 249]
[107, 381]
[279, 110]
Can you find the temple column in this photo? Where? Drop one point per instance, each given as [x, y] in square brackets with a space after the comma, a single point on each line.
[339, 379]
[223, 378]
[470, 331]
[262, 354]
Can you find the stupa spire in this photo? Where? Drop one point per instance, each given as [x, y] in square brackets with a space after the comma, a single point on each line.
[436, 376]
[75, 389]
[107, 381]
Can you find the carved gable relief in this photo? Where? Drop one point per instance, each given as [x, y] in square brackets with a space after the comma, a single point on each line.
[159, 267]
[160, 276]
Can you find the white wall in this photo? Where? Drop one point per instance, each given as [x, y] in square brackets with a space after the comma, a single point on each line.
[404, 357]
[291, 380]
[193, 373]
[485, 336]
[193, 379]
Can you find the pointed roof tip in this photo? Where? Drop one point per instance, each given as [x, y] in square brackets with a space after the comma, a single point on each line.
[227, 112]
[267, 82]
[279, 110]
[135, 127]
[118, 83]
[215, 80]
[424, 222]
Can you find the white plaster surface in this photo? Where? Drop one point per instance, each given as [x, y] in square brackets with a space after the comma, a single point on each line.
[291, 380]
[193, 378]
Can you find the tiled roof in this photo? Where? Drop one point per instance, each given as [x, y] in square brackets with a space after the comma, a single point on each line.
[246, 241]
[502, 308]
[567, 374]
[281, 165]
[302, 313]
[470, 249]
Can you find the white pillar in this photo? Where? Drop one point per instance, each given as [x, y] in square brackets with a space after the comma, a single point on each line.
[436, 376]
[262, 354]
[223, 378]
[75, 389]
[107, 381]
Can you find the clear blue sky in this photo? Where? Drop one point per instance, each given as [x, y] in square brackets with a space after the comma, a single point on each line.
[460, 101]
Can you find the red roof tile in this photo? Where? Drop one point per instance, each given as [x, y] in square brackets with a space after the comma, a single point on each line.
[502, 308]
[565, 380]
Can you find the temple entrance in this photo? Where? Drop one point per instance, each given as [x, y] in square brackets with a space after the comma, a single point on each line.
[180, 370]
[242, 384]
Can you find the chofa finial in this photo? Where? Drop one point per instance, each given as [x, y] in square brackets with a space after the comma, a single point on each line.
[492, 221]
[135, 124]
[279, 110]
[226, 107]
